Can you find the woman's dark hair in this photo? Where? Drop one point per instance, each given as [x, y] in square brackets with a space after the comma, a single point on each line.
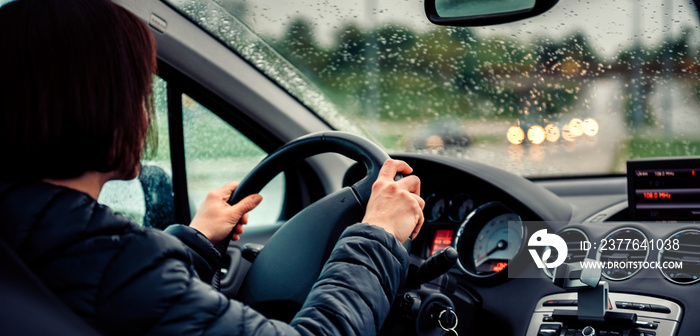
[75, 88]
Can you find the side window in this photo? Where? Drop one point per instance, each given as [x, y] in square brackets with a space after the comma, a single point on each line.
[216, 153]
[148, 198]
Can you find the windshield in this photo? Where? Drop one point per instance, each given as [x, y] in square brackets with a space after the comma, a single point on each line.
[576, 91]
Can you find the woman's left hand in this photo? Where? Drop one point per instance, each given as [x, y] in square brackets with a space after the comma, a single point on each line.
[216, 218]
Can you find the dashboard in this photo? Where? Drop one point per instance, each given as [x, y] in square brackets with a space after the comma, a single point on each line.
[488, 215]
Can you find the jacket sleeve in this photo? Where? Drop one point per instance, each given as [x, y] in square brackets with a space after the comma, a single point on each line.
[357, 285]
[351, 297]
[205, 257]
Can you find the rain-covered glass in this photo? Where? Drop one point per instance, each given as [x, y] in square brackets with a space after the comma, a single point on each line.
[216, 154]
[128, 197]
[576, 91]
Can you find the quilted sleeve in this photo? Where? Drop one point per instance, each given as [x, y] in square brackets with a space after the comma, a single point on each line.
[161, 294]
[205, 258]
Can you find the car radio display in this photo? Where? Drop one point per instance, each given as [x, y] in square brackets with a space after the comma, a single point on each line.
[664, 190]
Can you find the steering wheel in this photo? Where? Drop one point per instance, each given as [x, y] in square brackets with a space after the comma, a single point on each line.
[281, 277]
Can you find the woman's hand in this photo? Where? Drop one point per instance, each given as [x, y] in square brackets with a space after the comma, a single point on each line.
[216, 218]
[396, 206]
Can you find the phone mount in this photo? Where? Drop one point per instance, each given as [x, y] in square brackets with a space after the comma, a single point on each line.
[593, 298]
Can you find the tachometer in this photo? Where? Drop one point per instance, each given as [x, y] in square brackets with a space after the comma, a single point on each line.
[460, 206]
[434, 207]
[488, 240]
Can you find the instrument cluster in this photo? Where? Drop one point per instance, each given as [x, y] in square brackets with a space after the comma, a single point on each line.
[487, 235]
[451, 209]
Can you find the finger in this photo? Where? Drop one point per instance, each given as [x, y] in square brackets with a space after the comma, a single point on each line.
[410, 183]
[420, 200]
[416, 230]
[238, 231]
[243, 220]
[248, 203]
[391, 167]
[420, 219]
[418, 226]
[227, 189]
[403, 167]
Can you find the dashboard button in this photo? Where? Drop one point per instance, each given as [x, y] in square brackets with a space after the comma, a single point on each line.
[554, 303]
[647, 325]
[660, 309]
[642, 333]
[573, 332]
[641, 306]
[549, 330]
[623, 305]
[588, 331]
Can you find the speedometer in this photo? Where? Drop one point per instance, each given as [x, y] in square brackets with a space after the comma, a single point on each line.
[497, 243]
[488, 240]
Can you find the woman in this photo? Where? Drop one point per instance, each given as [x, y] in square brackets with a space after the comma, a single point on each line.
[75, 78]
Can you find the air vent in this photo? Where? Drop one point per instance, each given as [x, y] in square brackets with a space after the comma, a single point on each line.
[682, 246]
[573, 238]
[615, 251]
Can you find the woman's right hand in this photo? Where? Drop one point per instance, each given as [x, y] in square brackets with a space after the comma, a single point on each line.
[396, 206]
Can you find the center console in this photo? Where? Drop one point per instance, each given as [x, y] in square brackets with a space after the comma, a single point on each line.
[590, 309]
[555, 315]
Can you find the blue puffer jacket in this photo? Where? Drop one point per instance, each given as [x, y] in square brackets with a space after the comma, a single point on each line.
[126, 280]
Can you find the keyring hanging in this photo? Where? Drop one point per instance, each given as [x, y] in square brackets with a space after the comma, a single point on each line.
[456, 321]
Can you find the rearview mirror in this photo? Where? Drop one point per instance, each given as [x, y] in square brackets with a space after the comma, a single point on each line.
[483, 12]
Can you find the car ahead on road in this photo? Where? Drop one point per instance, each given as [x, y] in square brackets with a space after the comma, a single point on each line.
[555, 232]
